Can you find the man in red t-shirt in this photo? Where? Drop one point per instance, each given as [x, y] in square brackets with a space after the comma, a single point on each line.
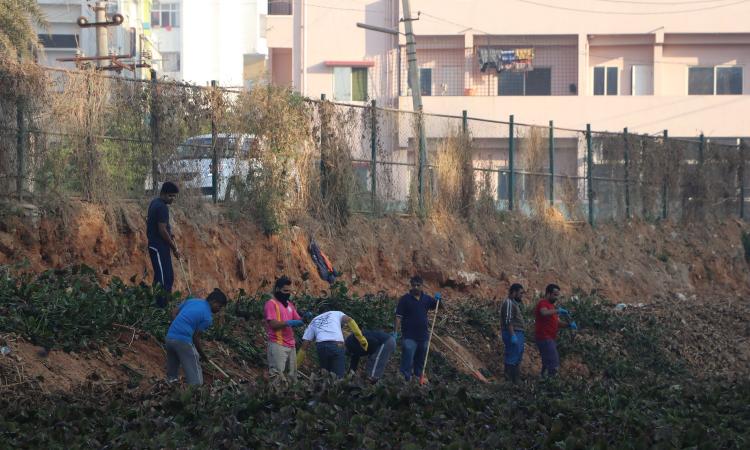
[281, 316]
[547, 324]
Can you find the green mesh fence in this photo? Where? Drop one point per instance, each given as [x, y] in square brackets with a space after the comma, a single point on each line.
[271, 154]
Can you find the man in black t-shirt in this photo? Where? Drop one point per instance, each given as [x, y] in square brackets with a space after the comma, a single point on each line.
[161, 243]
[379, 349]
[411, 317]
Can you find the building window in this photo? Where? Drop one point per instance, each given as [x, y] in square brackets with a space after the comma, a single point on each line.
[425, 81]
[59, 40]
[539, 82]
[534, 82]
[715, 81]
[605, 80]
[642, 80]
[165, 15]
[729, 81]
[170, 61]
[280, 8]
[350, 84]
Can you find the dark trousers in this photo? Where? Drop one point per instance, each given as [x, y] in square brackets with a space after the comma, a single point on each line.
[161, 260]
[550, 357]
[332, 357]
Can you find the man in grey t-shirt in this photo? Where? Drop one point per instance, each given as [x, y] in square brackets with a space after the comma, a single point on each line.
[512, 331]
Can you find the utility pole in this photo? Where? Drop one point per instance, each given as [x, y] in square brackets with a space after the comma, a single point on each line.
[416, 96]
[102, 49]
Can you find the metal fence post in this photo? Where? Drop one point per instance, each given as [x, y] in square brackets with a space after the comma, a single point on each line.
[422, 161]
[465, 122]
[551, 163]
[589, 173]
[374, 153]
[214, 149]
[626, 157]
[664, 193]
[741, 175]
[511, 149]
[701, 145]
[154, 124]
[20, 145]
[323, 145]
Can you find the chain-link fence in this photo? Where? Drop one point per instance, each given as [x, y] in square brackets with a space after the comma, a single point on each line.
[272, 154]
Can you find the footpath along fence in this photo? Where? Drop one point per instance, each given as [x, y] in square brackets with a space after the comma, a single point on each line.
[271, 153]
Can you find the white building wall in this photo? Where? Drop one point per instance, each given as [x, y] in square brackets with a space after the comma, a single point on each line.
[212, 39]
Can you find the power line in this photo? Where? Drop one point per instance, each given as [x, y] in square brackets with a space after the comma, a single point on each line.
[634, 13]
[637, 2]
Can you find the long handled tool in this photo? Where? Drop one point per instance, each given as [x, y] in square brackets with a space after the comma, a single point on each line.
[226, 375]
[422, 378]
[184, 276]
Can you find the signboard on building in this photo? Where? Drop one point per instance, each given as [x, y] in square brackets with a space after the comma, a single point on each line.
[515, 60]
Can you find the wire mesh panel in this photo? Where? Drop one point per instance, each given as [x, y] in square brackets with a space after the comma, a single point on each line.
[489, 144]
[271, 154]
[394, 161]
[609, 177]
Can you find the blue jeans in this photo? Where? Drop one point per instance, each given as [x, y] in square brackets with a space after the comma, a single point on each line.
[550, 357]
[161, 261]
[332, 357]
[413, 354]
[513, 352]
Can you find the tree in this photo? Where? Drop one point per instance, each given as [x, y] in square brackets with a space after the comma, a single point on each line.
[18, 21]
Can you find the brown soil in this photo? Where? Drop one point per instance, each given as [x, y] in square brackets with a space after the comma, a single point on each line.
[630, 263]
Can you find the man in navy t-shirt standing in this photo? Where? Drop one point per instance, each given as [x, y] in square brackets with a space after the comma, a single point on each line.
[411, 314]
[161, 243]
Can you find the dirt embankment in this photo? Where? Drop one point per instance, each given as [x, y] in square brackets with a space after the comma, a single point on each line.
[629, 263]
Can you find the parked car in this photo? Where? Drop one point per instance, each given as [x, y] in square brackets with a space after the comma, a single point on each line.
[190, 166]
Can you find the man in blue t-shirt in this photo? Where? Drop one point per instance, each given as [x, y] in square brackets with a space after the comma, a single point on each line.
[184, 349]
[411, 314]
[160, 239]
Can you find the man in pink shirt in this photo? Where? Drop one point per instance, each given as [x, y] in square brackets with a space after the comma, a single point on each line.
[281, 316]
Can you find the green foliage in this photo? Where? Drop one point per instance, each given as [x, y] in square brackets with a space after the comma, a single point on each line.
[18, 19]
[391, 414]
[646, 399]
[68, 309]
[619, 345]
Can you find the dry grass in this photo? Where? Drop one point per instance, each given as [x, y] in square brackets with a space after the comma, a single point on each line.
[455, 175]
[535, 158]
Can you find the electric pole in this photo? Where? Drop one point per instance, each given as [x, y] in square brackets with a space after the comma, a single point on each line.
[416, 96]
[102, 50]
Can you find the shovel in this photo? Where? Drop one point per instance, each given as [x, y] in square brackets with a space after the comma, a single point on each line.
[184, 277]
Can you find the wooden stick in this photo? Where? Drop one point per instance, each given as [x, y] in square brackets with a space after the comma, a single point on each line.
[221, 371]
[429, 340]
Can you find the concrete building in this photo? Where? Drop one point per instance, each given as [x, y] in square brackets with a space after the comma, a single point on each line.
[648, 66]
[202, 40]
[65, 39]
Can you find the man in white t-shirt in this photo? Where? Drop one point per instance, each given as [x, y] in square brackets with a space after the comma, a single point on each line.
[326, 330]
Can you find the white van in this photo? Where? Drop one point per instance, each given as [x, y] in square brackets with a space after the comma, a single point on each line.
[190, 167]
